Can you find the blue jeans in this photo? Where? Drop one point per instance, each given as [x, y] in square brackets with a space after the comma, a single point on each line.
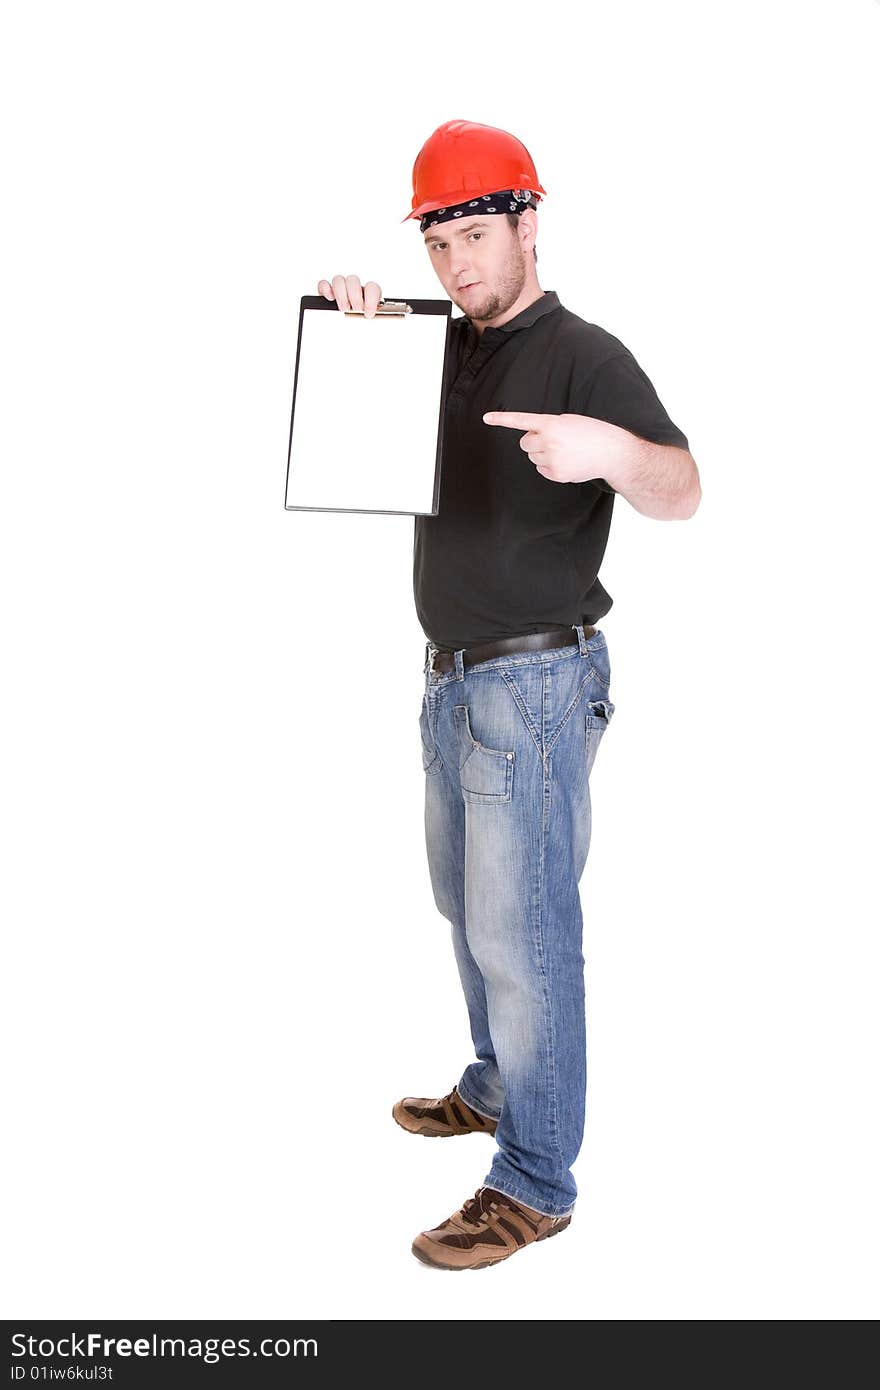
[507, 748]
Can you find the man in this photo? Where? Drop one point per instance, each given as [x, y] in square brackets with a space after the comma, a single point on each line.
[548, 417]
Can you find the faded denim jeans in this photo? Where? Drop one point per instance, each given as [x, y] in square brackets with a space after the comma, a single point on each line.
[507, 748]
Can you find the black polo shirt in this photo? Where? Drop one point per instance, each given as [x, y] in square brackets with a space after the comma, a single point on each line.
[510, 551]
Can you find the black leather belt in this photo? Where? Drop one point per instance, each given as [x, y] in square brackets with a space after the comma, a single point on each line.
[444, 657]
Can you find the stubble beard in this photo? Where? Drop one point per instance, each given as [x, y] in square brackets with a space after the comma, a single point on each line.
[508, 289]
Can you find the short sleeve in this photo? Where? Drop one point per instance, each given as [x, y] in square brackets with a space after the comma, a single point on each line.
[620, 392]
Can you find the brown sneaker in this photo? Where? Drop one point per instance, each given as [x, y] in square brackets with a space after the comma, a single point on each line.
[441, 1118]
[488, 1228]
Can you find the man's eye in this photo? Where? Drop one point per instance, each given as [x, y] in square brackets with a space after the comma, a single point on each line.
[439, 245]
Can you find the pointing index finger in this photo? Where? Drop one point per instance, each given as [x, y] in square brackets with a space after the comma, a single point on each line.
[514, 419]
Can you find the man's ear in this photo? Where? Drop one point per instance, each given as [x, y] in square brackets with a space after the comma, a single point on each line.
[532, 222]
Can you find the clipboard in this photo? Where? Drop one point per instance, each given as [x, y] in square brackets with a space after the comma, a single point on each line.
[369, 399]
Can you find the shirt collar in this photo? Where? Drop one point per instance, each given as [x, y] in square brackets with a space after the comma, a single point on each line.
[526, 317]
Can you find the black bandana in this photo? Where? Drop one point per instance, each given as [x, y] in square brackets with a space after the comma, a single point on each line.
[508, 200]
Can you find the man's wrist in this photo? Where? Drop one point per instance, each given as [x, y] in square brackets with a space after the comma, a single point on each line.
[615, 455]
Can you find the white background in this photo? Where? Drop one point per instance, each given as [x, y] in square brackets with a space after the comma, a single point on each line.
[223, 962]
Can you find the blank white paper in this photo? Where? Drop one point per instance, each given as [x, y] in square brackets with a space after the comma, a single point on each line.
[367, 411]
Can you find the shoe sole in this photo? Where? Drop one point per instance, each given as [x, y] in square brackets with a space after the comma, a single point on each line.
[484, 1264]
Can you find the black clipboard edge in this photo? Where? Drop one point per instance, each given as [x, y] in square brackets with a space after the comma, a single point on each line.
[419, 306]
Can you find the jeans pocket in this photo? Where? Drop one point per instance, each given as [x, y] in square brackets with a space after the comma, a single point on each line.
[430, 757]
[598, 717]
[601, 664]
[485, 774]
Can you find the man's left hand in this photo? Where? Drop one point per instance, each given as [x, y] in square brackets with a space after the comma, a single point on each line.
[565, 448]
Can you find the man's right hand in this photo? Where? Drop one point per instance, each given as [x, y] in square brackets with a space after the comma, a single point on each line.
[349, 293]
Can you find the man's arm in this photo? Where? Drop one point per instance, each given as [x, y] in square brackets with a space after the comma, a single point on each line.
[647, 457]
[659, 480]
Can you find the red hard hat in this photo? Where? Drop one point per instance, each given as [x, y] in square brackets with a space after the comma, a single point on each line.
[463, 160]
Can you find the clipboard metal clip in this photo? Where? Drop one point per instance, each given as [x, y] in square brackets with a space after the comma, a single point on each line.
[387, 307]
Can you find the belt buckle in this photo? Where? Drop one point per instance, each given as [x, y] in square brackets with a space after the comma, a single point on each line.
[434, 652]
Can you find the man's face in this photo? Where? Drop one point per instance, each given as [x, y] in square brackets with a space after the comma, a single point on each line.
[483, 250]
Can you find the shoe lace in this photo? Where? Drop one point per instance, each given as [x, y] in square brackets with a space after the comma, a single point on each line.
[478, 1208]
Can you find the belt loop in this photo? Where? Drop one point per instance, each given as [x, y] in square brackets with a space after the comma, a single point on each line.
[430, 651]
[459, 664]
[582, 641]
